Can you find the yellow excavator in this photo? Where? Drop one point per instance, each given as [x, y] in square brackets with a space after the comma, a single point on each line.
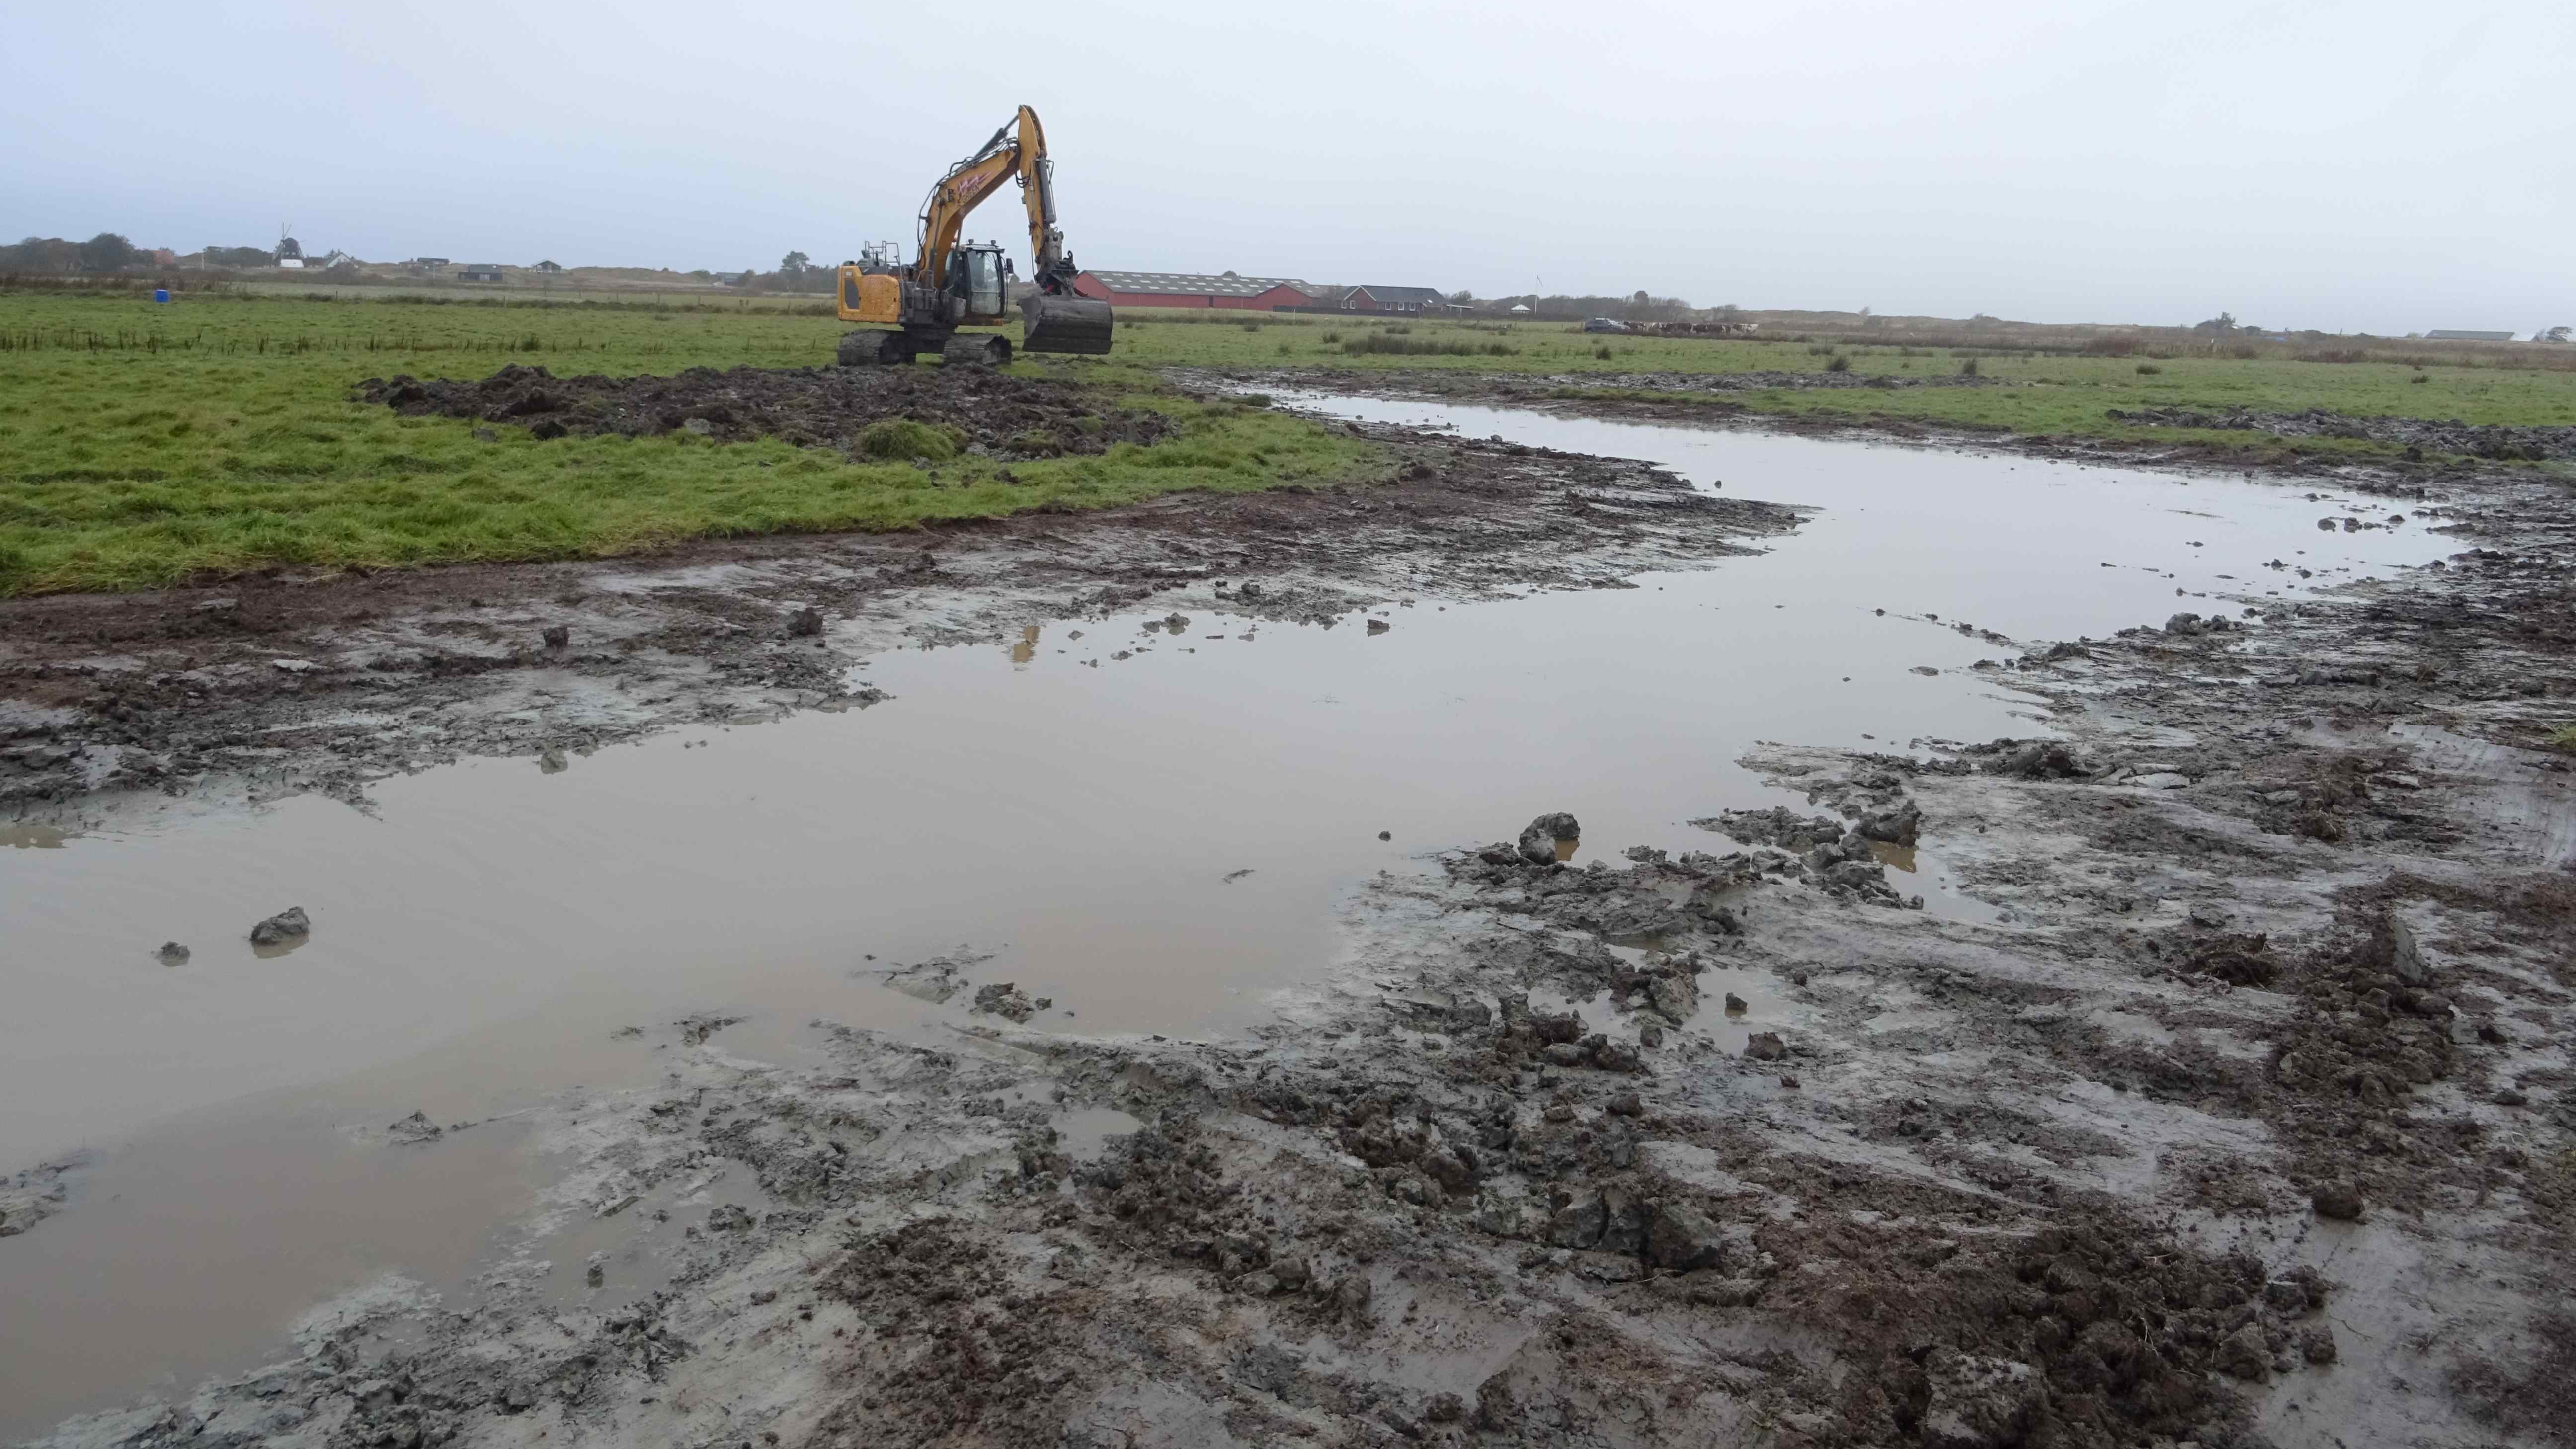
[951, 284]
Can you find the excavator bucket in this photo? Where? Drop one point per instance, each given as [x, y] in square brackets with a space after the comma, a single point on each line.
[1055, 322]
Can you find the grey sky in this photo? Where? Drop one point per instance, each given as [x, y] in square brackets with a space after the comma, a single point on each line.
[2364, 166]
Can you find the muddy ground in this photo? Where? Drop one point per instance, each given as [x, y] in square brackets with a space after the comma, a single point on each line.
[984, 410]
[279, 685]
[2437, 450]
[2246, 1120]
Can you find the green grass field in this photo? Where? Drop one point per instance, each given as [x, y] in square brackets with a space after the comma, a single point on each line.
[2059, 395]
[144, 445]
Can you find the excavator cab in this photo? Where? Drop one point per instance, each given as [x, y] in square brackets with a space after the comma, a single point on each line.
[975, 278]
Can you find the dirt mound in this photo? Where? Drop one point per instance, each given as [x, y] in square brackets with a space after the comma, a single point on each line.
[967, 409]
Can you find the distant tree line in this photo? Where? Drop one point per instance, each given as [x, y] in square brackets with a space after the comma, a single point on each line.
[105, 252]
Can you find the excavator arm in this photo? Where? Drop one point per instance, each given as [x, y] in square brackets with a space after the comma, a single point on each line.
[1056, 320]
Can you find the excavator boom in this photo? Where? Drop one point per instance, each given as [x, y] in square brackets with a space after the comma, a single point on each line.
[948, 285]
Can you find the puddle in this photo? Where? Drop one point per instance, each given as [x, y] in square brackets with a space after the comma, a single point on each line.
[1086, 1130]
[1147, 826]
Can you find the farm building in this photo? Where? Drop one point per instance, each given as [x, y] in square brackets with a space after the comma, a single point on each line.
[2443, 335]
[1182, 289]
[479, 272]
[1390, 299]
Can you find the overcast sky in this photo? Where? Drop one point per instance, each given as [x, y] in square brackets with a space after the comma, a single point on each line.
[2346, 166]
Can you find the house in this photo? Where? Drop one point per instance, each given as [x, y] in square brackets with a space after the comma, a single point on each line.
[1183, 289]
[549, 267]
[1406, 300]
[479, 272]
[430, 264]
[2455, 336]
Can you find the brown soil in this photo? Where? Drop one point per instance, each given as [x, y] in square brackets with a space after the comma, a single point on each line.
[809, 407]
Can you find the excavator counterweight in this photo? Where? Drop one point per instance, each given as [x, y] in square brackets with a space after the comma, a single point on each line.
[952, 284]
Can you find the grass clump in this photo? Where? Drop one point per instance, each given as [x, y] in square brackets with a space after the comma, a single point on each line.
[906, 439]
[1394, 342]
[2149, 369]
[1839, 363]
[2561, 738]
[1968, 368]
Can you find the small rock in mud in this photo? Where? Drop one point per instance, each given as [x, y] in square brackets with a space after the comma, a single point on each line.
[1004, 998]
[2340, 1201]
[805, 623]
[1675, 997]
[172, 954]
[416, 1129]
[2392, 951]
[557, 636]
[290, 924]
[1379, 626]
[1351, 1296]
[1549, 838]
[1680, 1238]
[1765, 1046]
[2033, 760]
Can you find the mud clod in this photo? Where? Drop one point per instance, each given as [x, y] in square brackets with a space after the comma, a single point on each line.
[287, 925]
[1549, 838]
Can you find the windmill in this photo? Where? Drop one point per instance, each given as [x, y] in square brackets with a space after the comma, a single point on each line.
[290, 252]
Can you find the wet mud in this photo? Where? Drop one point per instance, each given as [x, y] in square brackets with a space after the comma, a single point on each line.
[2240, 1116]
[265, 687]
[977, 409]
[2435, 450]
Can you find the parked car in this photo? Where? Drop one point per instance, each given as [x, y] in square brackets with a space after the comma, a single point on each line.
[1604, 324]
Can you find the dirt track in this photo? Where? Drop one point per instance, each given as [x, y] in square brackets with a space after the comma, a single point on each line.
[2246, 1120]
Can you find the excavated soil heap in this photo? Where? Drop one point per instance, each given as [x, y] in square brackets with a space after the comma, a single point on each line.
[813, 406]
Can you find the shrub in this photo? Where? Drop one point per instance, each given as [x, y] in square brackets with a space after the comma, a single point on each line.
[2116, 346]
[1839, 364]
[1968, 368]
[2419, 377]
[2148, 369]
[1256, 399]
[1331, 338]
[1602, 352]
[2243, 352]
[1820, 352]
[905, 438]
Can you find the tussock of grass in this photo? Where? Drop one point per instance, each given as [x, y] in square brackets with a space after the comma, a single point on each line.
[904, 438]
